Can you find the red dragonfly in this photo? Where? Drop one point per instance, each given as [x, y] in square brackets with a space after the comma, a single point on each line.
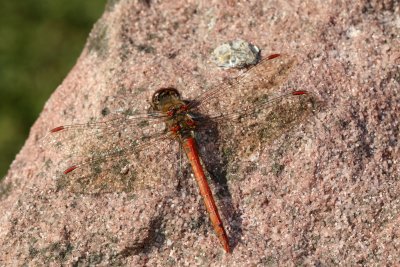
[108, 154]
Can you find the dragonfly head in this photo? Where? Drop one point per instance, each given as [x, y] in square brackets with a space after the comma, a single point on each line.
[164, 98]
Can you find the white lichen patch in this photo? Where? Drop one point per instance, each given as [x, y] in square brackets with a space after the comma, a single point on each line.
[235, 54]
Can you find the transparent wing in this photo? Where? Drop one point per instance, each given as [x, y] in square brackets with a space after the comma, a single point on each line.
[250, 89]
[98, 137]
[233, 143]
[261, 105]
[120, 154]
[129, 169]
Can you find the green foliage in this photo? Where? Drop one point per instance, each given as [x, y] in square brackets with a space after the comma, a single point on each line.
[40, 41]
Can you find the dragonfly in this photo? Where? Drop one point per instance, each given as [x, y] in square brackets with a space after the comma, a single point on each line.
[107, 155]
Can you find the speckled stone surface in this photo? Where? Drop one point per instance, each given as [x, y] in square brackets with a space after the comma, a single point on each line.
[324, 192]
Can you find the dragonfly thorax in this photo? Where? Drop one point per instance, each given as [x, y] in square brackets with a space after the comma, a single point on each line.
[178, 119]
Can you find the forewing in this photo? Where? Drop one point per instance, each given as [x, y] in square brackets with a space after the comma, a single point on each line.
[95, 137]
[251, 88]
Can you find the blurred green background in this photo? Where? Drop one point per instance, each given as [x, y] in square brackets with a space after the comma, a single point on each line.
[40, 41]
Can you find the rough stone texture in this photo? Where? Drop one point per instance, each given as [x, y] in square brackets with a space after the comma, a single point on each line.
[326, 192]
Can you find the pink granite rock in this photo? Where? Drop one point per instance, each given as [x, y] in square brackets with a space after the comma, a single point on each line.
[323, 191]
